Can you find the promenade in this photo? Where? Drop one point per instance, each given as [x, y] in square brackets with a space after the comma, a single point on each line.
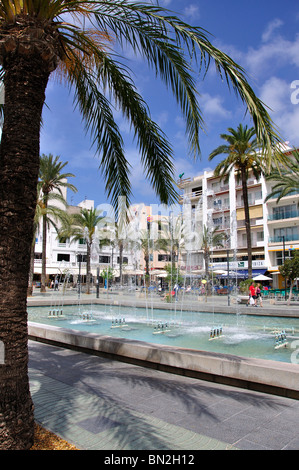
[100, 404]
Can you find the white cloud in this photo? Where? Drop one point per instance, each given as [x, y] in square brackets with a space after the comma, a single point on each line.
[165, 3]
[212, 106]
[192, 11]
[273, 55]
[276, 93]
[272, 26]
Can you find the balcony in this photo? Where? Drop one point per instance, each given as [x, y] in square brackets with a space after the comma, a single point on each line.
[253, 223]
[284, 215]
[251, 202]
[287, 238]
[250, 182]
[291, 193]
[191, 195]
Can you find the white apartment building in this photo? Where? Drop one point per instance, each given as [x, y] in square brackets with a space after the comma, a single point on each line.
[68, 257]
[274, 226]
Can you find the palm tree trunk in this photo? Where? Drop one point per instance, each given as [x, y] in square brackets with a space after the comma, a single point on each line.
[44, 255]
[31, 272]
[25, 82]
[247, 222]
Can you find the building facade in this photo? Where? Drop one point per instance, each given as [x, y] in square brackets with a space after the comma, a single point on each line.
[274, 225]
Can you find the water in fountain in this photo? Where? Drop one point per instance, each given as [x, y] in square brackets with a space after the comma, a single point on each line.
[256, 339]
[56, 309]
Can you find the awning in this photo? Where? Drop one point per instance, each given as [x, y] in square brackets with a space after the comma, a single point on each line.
[233, 275]
[255, 272]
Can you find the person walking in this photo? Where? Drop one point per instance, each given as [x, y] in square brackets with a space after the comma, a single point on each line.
[259, 295]
[252, 295]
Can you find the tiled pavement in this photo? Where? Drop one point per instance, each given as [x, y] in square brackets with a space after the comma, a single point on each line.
[97, 403]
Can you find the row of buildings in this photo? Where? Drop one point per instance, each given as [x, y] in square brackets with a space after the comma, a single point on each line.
[205, 201]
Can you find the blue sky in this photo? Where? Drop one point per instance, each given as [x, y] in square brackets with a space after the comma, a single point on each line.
[261, 36]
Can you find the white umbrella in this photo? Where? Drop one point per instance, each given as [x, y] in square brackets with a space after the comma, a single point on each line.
[133, 272]
[219, 271]
[157, 272]
[261, 277]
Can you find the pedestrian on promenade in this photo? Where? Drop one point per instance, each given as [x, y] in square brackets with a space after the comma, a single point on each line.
[259, 295]
[252, 295]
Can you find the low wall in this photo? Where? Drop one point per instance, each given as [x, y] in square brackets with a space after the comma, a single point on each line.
[256, 374]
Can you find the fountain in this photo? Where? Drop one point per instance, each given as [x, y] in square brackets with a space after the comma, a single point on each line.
[256, 336]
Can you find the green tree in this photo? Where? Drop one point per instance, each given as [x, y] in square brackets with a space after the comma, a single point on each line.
[107, 274]
[243, 156]
[51, 181]
[290, 271]
[37, 41]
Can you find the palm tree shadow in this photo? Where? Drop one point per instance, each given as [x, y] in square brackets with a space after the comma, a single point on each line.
[128, 406]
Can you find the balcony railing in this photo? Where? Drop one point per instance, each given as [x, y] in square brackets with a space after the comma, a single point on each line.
[287, 238]
[284, 215]
[291, 193]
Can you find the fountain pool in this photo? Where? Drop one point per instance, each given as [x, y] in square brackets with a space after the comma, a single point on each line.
[242, 335]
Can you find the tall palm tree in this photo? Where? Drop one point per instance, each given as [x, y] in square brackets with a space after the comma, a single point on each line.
[51, 214]
[51, 180]
[172, 237]
[243, 155]
[75, 38]
[79, 226]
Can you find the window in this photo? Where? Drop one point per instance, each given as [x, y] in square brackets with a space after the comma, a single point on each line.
[289, 234]
[125, 260]
[81, 258]
[63, 257]
[82, 241]
[217, 222]
[104, 259]
[226, 202]
[38, 255]
[215, 186]
[284, 212]
[258, 195]
[260, 236]
[63, 240]
[280, 257]
[165, 258]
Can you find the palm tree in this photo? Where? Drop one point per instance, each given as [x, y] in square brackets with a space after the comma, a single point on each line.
[36, 41]
[51, 180]
[286, 177]
[51, 214]
[80, 226]
[242, 156]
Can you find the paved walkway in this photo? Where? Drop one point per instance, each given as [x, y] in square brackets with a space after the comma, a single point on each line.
[96, 403]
